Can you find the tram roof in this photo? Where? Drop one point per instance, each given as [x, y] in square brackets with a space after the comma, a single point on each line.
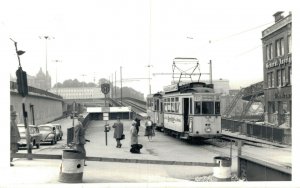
[189, 87]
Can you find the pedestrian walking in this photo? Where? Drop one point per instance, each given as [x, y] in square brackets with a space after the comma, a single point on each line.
[118, 132]
[14, 135]
[138, 124]
[79, 137]
[135, 146]
[149, 128]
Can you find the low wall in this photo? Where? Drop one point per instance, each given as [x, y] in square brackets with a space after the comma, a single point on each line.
[43, 108]
[252, 169]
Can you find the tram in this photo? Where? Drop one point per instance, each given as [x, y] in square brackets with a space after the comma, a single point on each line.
[190, 110]
[155, 109]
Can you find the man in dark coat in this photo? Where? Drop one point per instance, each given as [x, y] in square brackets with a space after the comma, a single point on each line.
[138, 124]
[118, 132]
[79, 138]
[14, 135]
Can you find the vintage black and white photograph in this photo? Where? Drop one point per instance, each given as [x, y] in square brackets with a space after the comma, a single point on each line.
[148, 93]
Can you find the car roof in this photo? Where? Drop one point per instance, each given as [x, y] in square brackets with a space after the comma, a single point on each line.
[22, 125]
[47, 125]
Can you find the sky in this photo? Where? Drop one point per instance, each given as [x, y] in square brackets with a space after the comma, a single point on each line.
[92, 39]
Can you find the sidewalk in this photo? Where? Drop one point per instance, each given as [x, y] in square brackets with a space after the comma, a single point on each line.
[45, 171]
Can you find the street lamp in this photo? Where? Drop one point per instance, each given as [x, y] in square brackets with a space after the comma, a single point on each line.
[149, 66]
[46, 39]
[56, 75]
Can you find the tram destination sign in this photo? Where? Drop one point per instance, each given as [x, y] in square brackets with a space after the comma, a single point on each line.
[205, 98]
[105, 88]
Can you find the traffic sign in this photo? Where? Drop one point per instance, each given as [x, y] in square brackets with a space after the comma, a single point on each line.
[105, 88]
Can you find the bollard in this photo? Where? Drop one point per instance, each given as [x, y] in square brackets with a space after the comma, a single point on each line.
[223, 171]
[71, 168]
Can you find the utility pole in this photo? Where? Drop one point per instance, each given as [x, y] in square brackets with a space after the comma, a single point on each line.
[115, 84]
[210, 64]
[121, 84]
[210, 71]
[112, 85]
[83, 75]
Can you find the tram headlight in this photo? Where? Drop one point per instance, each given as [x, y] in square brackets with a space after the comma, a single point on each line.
[207, 128]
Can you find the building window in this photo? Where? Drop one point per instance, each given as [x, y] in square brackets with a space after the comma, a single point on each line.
[279, 47]
[289, 44]
[269, 50]
[270, 77]
[280, 77]
[271, 107]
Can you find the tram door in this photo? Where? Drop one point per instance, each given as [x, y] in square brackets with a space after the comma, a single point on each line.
[186, 113]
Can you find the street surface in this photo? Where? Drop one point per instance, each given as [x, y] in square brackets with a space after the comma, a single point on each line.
[162, 147]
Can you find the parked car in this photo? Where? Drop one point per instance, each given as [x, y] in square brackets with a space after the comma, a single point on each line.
[35, 136]
[48, 132]
[59, 132]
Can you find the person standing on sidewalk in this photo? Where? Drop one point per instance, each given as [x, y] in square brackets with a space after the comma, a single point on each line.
[14, 135]
[149, 128]
[138, 124]
[79, 138]
[135, 147]
[118, 131]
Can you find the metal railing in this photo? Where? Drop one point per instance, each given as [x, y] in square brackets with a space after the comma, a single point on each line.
[251, 129]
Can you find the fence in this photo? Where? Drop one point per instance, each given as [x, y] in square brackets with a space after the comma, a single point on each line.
[251, 129]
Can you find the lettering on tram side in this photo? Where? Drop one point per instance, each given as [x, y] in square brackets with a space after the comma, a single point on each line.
[205, 98]
[173, 119]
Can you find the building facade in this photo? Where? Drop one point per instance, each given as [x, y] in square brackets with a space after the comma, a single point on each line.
[40, 81]
[277, 63]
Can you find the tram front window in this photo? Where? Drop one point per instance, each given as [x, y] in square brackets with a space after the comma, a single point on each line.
[207, 108]
[197, 107]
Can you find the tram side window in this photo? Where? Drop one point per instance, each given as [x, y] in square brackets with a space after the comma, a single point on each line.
[161, 107]
[207, 107]
[217, 108]
[172, 105]
[156, 105]
[197, 109]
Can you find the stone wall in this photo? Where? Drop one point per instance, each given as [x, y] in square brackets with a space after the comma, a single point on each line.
[46, 108]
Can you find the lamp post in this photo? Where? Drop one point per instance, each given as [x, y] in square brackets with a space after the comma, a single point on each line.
[56, 76]
[46, 52]
[149, 66]
[83, 75]
[121, 83]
